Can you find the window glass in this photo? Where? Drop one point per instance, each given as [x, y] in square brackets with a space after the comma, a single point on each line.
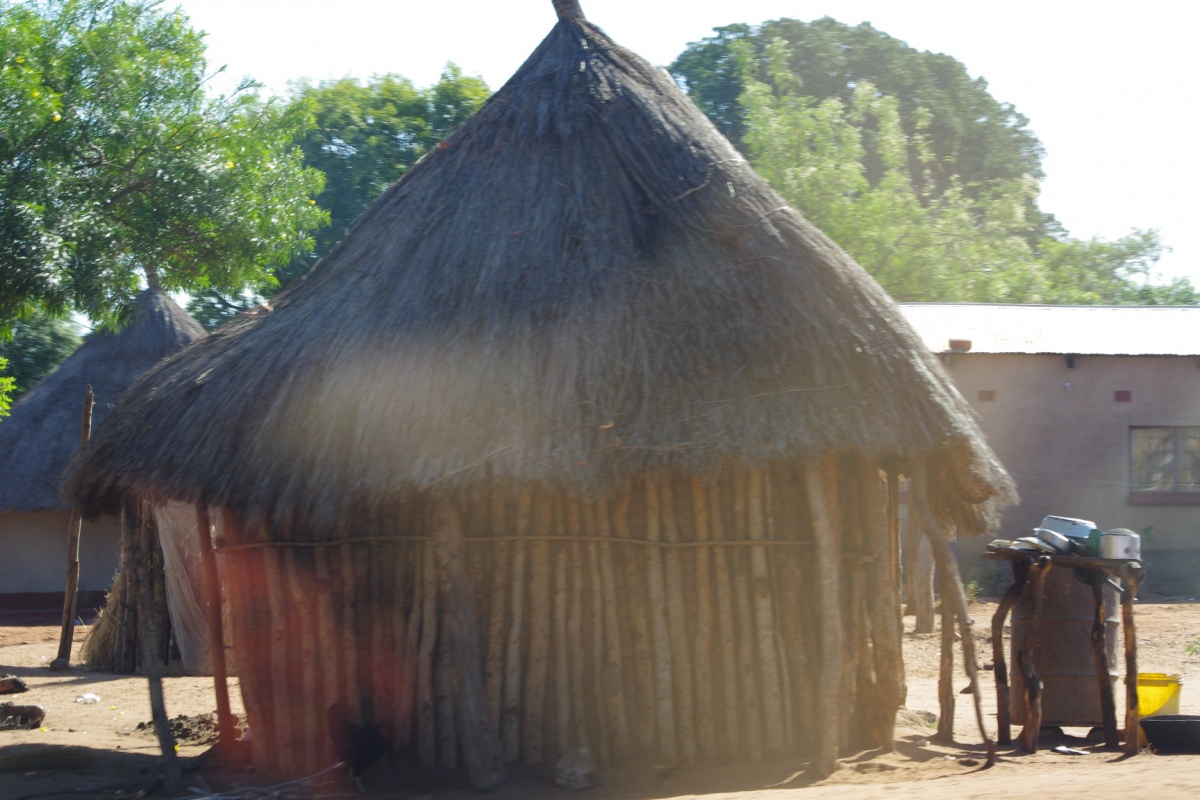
[1188, 479]
[1153, 456]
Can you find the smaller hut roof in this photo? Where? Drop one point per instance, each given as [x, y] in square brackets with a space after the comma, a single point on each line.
[42, 434]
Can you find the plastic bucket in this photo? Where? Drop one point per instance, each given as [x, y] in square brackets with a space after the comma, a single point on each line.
[1158, 693]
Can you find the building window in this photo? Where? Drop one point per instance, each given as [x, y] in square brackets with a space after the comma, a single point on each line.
[1164, 465]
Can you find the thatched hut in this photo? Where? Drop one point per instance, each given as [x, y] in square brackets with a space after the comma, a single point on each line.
[660, 405]
[42, 435]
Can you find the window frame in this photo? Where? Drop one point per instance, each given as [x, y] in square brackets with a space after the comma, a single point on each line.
[1174, 496]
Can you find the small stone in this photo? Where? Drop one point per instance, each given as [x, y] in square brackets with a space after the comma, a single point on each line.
[576, 770]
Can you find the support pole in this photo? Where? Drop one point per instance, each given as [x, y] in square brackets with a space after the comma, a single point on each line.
[226, 727]
[828, 557]
[1033, 684]
[1003, 692]
[1108, 710]
[478, 735]
[138, 522]
[948, 565]
[74, 527]
[1131, 578]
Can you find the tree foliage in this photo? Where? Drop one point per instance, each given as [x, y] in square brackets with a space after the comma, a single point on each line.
[364, 138]
[6, 388]
[921, 234]
[367, 136]
[38, 345]
[967, 138]
[115, 165]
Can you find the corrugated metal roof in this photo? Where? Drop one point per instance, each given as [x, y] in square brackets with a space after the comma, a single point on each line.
[1079, 330]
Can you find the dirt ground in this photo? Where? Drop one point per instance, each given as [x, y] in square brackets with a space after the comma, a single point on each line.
[98, 751]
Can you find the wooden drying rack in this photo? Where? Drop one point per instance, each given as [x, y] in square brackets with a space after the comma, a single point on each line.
[1029, 575]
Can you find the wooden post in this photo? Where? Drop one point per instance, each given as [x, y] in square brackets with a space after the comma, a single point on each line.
[1000, 665]
[74, 527]
[510, 710]
[1033, 684]
[226, 727]
[883, 607]
[764, 611]
[919, 564]
[614, 689]
[1108, 710]
[136, 524]
[952, 591]
[477, 733]
[660, 639]
[735, 714]
[946, 693]
[702, 641]
[533, 720]
[677, 636]
[1131, 579]
[828, 557]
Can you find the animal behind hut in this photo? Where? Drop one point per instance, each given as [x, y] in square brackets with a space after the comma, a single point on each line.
[359, 746]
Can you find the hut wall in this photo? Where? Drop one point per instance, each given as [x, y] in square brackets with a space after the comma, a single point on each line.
[35, 553]
[678, 619]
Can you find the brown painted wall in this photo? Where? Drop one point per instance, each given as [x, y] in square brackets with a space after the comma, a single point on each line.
[1065, 441]
[33, 552]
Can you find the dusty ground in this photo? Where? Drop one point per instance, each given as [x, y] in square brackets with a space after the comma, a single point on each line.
[98, 751]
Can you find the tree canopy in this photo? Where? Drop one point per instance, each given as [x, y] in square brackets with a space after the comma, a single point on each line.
[38, 345]
[869, 174]
[364, 137]
[969, 137]
[116, 167]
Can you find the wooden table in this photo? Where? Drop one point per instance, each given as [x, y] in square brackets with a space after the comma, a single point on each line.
[1029, 574]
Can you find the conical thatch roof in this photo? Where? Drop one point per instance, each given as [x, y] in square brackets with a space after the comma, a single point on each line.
[585, 281]
[42, 434]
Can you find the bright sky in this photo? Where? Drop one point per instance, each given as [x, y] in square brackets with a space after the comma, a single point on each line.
[1108, 86]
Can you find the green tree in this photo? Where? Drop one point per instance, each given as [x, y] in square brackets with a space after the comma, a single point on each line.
[116, 166]
[1091, 272]
[367, 136]
[364, 138]
[38, 345]
[967, 137]
[921, 237]
[6, 387]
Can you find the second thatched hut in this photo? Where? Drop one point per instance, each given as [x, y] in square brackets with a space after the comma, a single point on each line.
[666, 412]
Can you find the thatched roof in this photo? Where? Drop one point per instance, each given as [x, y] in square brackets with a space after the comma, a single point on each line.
[42, 434]
[584, 281]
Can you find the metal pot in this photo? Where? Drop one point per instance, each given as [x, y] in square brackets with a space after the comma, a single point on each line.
[1055, 539]
[1120, 543]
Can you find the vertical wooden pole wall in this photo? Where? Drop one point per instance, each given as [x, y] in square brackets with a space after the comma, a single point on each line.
[681, 618]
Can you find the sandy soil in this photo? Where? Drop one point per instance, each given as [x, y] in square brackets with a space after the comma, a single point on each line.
[98, 750]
